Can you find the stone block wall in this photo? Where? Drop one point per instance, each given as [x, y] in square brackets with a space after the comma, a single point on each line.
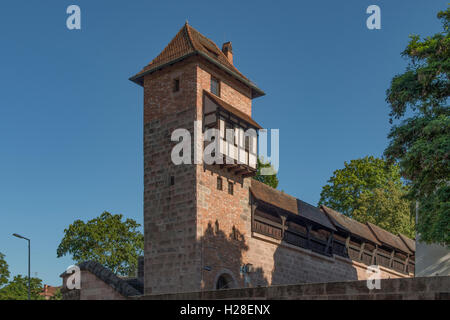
[170, 253]
[427, 288]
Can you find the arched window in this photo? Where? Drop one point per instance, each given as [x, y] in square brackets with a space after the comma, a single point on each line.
[225, 281]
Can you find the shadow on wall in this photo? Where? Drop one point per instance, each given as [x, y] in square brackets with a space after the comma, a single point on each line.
[223, 260]
[293, 267]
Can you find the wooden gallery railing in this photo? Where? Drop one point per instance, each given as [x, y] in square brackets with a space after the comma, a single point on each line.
[283, 231]
[380, 257]
[358, 252]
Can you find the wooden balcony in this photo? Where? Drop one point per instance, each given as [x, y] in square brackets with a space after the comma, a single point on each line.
[237, 138]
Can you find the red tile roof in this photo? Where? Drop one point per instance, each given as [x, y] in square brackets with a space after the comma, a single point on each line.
[49, 291]
[188, 42]
[232, 109]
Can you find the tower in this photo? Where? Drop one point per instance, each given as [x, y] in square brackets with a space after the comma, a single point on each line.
[196, 216]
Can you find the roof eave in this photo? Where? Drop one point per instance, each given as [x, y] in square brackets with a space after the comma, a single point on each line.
[139, 77]
[256, 92]
[296, 215]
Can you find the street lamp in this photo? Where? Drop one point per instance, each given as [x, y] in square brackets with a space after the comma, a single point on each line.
[22, 237]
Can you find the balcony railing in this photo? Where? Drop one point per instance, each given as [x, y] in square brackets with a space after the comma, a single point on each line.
[274, 230]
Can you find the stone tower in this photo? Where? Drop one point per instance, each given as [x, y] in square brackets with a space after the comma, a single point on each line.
[196, 216]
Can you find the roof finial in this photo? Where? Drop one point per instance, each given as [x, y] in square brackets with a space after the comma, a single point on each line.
[187, 21]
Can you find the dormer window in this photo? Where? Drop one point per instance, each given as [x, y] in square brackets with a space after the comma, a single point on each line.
[215, 86]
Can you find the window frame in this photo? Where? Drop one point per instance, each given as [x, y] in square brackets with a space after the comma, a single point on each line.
[214, 79]
[230, 188]
[176, 85]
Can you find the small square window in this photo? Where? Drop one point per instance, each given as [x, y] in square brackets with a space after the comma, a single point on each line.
[215, 86]
[219, 183]
[176, 85]
[230, 188]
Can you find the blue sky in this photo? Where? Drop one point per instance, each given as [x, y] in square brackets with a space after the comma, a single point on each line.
[71, 122]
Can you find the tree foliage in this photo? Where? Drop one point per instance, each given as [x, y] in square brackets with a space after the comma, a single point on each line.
[420, 143]
[107, 239]
[270, 180]
[4, 270]
[370, 190]
[57, 295]
[17, 289]
[387, 208]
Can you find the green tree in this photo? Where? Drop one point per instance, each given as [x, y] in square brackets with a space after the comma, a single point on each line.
[387, 208]
[57, 295]
[420, 142]
[370, 190]
[107, 239]
[270, 180]
[17, 289]
[4, 270]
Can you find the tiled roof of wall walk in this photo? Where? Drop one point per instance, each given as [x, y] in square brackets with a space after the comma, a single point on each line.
[389, 239]
[188, 42]
[410, 243]
[330, 218]
[288, 203]
[232, 109]
[125, 286]
[341, 221]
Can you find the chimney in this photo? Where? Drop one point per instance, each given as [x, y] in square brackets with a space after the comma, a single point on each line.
[227, 49]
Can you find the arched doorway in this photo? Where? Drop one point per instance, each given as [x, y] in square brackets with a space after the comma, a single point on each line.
[225, 281]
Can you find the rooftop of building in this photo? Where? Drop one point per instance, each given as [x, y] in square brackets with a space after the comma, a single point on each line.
[189, 42]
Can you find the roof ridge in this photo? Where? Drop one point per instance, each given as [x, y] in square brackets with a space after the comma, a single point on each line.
[189, 36]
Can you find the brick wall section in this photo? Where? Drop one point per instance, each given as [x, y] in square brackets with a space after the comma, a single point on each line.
[231, 90]
[282, 263]
[96, 289]
[171, 255]
[426, 288]
[223, 220]
[92, 288]
[223, 224]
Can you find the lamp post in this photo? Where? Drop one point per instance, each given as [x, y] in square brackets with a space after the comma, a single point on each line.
[22, 237]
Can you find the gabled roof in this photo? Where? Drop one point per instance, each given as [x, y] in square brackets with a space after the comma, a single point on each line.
[232, 109]
[189, 42]
[347, 224]
[389, 239]
[289, 203]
